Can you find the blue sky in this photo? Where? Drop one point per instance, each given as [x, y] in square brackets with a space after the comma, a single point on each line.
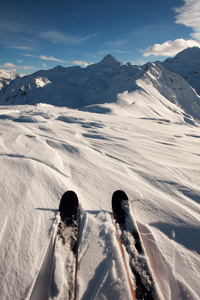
[42, 34]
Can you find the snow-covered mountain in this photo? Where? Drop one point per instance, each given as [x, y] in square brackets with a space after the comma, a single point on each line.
[134, 130]
[165, 85]
[186, 64]
[106, 82]
[73, 86]
[6, 77]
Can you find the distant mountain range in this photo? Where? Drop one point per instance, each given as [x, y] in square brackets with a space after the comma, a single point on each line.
[176, 79]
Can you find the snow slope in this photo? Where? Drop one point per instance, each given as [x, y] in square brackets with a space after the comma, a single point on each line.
[46, 150]
[186, 64]
[6, 77]
[110, 126]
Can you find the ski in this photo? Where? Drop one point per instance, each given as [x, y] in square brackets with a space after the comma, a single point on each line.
[66, 242]
[143, 286]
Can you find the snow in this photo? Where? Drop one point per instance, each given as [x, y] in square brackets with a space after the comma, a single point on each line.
[46, 150]
[145, 142]
[6, 77]
[186, 64]
[106, 82]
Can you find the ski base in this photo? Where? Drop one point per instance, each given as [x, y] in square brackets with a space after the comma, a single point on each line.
[68, 227]
[66, 248]
[128, 235]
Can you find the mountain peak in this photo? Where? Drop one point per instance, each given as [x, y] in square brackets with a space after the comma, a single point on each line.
[109, 60]
[190, 51]
[187, 64]
[187, 56]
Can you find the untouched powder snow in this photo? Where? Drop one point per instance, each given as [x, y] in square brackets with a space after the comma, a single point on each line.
[149, 149]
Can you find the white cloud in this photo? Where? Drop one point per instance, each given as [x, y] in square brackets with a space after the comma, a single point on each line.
[51, 58]
[89, 37]
[11, 66]
[80, 63]
[59, 37]
[44, 57]
[105, 52]
[11, 26]
[19, 47]
[189, 15]
[55, 37]
[170, 48]
[8, 65]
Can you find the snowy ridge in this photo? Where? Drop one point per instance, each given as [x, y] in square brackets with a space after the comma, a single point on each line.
[6, 77]
[172, 87]
[186, 64]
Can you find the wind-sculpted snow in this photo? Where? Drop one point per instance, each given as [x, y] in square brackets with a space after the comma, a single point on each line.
[153, 155]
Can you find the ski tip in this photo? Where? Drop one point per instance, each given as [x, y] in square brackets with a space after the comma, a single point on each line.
[119, 213]
[68, 205]
[119, 195]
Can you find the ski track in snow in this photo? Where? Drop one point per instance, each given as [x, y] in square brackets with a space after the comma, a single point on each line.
[46, 150]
